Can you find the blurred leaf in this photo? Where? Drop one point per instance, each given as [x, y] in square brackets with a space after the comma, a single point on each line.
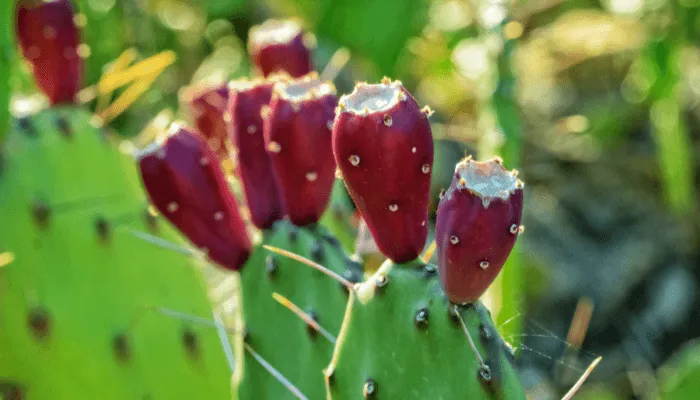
[377, 29]
[225, 8]
[373, 29]
[679, 379]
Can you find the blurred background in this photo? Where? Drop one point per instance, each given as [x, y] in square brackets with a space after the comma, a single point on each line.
[596, 102]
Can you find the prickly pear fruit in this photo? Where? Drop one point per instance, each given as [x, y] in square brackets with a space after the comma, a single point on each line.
[186, 184]
[383, 146]
[278, 46]
[246, 101]
[478, 221]
[298, 138]
[207, 108]
[49, 39]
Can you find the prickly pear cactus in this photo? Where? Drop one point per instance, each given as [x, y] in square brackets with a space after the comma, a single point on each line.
[402, 339]
[77, 299]
[283, 339]
[313, 332]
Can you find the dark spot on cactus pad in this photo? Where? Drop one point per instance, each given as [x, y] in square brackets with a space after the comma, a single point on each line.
[429, 271]
[271, 266]
[422, 319]
[246, 335]
[293, 234]
[26, 126]
[121, 347]
[369, 390]
[317, 252]
[332, 240]
[485, 332]
[485, 374]
[103, 229]
[381, 282]
[39, 323]
[330, 378]
[453, 314]
[10, 390]
[337, 212]
[314, 316]
[12, 393]
[190, 341]
[151, 220]
[41, 212]
[353, 271]
[64, 127]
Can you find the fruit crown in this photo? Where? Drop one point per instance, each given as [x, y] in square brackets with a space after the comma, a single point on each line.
[273, 31]
[306, 88]
[367, 98]
[488, 180]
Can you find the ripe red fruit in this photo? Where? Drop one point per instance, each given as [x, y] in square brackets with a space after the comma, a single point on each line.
[478, 221]
[384, 148]
[246, 101]
[207, 107]
[298, 139]
[185, 183]
[278, 46]
[49, 39]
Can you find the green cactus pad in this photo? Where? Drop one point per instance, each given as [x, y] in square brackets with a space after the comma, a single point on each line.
[7, 52]
[400, 341]
[283, 339]
[76, 301]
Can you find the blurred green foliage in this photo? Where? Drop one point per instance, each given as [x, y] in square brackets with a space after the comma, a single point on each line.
[680, 377]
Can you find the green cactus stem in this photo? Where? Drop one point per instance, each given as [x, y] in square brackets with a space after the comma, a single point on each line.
[76, 303]
[402, 339]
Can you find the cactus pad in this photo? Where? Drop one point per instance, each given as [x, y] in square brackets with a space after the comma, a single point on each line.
[74, 303]
[276, 333]
[401, 341]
